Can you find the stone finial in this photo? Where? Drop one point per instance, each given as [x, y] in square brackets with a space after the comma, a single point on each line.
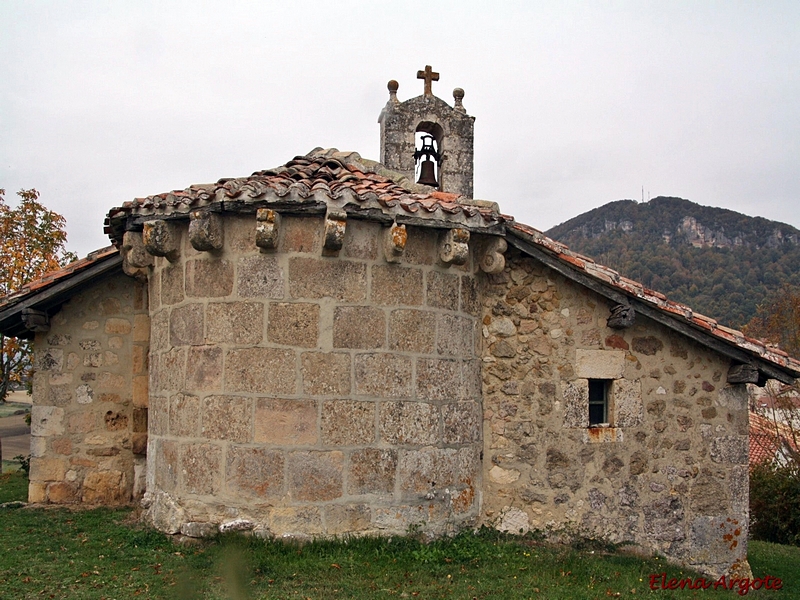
[454, 246]
[429, 75]
[492, 259]
[268, 223]
[622, 316]
[393, 86]
[161, 238]
[335, 224]
[394, 242]
[135, 258]
[205, 230]
[458, 96]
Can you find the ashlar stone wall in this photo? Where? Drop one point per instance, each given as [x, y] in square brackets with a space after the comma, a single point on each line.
[89, 414]
[669, 472]
[304, 392]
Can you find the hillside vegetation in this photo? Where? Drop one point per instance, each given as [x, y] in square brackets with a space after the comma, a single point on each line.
[720, 262]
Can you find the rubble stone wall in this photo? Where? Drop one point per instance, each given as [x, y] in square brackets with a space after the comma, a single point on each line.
[89, 414]
[305, 392]
[670, 470]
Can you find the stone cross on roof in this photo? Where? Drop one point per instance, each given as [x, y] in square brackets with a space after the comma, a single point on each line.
[428, 75]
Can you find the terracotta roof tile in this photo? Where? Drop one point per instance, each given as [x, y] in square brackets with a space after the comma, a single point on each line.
[54, 277]
[657, 299]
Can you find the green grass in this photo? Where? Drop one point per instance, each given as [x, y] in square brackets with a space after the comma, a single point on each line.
[13, 484]
[8, 409]
[102, 554]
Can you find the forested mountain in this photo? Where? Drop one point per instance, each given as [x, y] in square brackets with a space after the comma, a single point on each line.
[719, 262]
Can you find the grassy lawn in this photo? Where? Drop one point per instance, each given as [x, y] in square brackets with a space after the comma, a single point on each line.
[13, 408]
[58, 553]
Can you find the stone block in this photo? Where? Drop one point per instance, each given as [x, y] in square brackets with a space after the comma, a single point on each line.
[462, 423]
[429, 469]
[347, 519]
[383, 375]
[82, 422]
[37, 492]
[315, 476]
[184, 416]
[158, 415]
[359, 327]
[140, 391]
[293, 324]
[471, 380]
[118, 326]
[209, 278]
[260, 276]
[296, 521]
[235, 323]
[141, 328]
[62, 493]
[454, 336]
[626, 403]
[171, 284]
[325, 374]
[394, 285]
[104, 487]
[227, 418]
[139, 443]
[47, 421]
[576, 403]
[139, 360]
[115, 421]
[51, 359]
[301, 234]
[599, 364]
[470, 297]
[708, 496]
[320, 277]
[361, 240]
[48, 469]
[261, 370]
[412, 331]
[372, 471]
[171, 369]
[204, 369]
[39, 446]
[166, 465]
[186, 325]
[730, 450]
[438, 379]
[154, 293]
[409, 423]
[348, 423]
[160, 329]
[285, 422]
[648, 345]
[442, 290]
[240, 233]
[200, 468]
[254, 472]
[420, 246]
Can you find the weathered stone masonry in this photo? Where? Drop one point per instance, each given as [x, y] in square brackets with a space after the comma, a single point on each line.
[671, 471]
[314, 394]
[89, 416]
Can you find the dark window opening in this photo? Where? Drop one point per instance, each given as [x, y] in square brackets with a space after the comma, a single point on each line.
[598, 402]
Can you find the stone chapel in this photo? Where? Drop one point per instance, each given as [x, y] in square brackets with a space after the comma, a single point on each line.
[339, 346]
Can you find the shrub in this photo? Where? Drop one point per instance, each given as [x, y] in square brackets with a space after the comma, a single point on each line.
[775, 503]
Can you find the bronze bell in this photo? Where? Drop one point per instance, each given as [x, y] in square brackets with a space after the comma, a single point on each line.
[427, 171]
[427, 174]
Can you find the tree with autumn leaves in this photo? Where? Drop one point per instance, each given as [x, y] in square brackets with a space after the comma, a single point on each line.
[32, 242]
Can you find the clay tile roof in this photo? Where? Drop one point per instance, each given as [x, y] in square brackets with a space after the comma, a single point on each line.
[766, 438]
[678, 312]
[53, 277]
[329, 176]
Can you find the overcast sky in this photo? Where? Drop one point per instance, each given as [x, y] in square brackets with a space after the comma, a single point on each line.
[577, 103]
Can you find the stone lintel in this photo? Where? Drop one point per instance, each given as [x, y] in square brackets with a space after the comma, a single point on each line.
[599, 364]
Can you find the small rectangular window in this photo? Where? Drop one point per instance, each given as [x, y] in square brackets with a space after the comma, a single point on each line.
[598, 402]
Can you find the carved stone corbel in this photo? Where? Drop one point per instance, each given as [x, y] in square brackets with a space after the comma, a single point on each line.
[161, 238]
[394, 242]
[205, 230]
[135, 258]
[491, 258]
[35, 320]
[743, 373]
[454, 246]
[335, 224]
[622, 317]
[268, 224]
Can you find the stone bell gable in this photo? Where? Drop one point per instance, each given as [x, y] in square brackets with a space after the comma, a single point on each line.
[329, 348]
